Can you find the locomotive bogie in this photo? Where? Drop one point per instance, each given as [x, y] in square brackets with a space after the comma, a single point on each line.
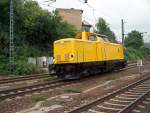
[79, 70]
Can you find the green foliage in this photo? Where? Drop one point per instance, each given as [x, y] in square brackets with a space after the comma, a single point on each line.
[103, 28]
[135, 48]
[145, 51]
[41, 28]
[33, 26]
[38, 98]
[24, 68]
[21, 67]
[25, 51]
[35, 30]
[134, 40]
[132, 54]
[3, 65]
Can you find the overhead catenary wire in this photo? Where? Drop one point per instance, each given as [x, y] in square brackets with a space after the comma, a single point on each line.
[87, 18]
[66, 12]
[49, 1]
[84, 17]
[93, 9]
[92, 21]
[93, 12]
[86, 4]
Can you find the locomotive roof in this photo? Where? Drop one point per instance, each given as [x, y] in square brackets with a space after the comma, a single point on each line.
[73, 39]
[78, 37]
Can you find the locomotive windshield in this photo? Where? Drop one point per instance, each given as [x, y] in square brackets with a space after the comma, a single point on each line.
[92, 38]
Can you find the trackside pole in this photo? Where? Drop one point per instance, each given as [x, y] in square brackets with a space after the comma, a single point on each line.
[140, 64]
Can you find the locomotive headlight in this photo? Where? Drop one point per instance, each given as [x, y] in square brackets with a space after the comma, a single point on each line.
[71, 57]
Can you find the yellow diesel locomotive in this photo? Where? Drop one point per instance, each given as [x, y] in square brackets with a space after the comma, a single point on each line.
[85, 54]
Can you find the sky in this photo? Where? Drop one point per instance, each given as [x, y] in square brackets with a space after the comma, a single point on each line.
[136, 13]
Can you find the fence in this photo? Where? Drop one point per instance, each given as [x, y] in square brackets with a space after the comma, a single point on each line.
[41, 61]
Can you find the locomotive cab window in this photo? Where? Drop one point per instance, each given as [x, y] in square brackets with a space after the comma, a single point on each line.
[92, 38]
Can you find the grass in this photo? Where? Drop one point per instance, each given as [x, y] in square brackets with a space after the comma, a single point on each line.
[73, 91]
[50, 78]
[38, 98]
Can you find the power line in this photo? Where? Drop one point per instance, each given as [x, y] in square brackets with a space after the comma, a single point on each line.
[49, 5]
[93, 26]
[93, 9]
[86, 4]
[69, 12]
[93, 12]
[94, 16]
[50, 1]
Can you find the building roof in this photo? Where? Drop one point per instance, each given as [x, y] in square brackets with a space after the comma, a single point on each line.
[65, 9]
[85, 23]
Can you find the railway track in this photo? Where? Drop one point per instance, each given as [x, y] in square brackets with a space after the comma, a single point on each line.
[130, 99]
[39, 76]
[36, 76]
[23, 78]
[133, 65]
[10, 93]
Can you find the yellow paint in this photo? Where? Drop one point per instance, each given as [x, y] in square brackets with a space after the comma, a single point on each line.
[81, 49]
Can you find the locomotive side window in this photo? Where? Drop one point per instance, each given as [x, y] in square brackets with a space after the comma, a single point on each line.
[92, 38]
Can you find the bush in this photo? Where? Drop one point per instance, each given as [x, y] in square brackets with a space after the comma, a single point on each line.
[145, 51]
[21, 65]
[4, 66]
[24, 68]
[133, 54]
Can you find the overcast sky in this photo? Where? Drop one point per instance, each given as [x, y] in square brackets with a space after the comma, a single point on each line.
[136, 13]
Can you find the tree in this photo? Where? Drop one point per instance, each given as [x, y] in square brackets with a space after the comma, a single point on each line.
[134, 39]
[33, 26]
[34, 30]
[145, 51]
[103, 28]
